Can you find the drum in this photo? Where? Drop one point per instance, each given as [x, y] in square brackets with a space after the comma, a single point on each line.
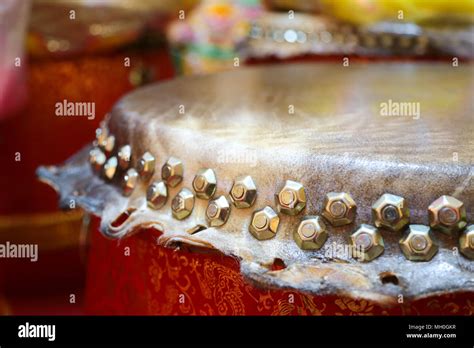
[291, 189]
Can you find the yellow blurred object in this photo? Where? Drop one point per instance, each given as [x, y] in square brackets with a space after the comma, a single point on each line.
[222, 10]
[369, 11]
[51, 231]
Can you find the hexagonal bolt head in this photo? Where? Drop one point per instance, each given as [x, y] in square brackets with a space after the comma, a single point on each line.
[129, 181]
[447, 214]
[311, 233]
[339, 208]
[466, 242]
[390, 212]
[110, 168]
[291, 199]
[243, 192]
[172, 172]
[146, 165]
[218, 211]
[97, 159]
[156, 195]
[124, 155]
[418, 243]
[367, 242]
[107, 144]
[101, 135]
[264, 223]
[182, 204]
[205, 183]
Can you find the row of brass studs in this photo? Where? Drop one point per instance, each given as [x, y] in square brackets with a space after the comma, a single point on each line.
[447, 214]
[390, 212]
[347, 37]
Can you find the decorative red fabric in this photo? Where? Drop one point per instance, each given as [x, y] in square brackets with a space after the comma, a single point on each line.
[138, 277]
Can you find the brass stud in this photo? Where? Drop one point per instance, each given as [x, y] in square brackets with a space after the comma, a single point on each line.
[405, 41]
[386, 40]
[156, 195]
[105, 141]
[97, 159]
[243, 192]
[109, 144]
[369, 40]
[146, 165]
[205, 183]
[101, 135]
[390, 212]
[110, 168]
[466, 242]
[172, 172]
[264, 223]
[291, 199]
[129, 181]
[218, 211]
[311, 233]
[182, 204]
[447, 214]
[368, 241]
[339, 208]
[124, 156]
[418, 244]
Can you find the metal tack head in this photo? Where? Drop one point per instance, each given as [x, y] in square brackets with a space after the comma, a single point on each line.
[390, 212]
[97, 159]
[418, 243]
[291, 199]
[243, 192]
[156, 195]
[205, 183]
[172, 172]
[264, 223]
[466, 242]
[124, 155]
[110, 168]
[129, 181]
[311, 233]
[339, 208]
[101, 135]
[146, 165]
[368, 242]
[182, 204]
[447, 214]
[218, 211]
[109, 145]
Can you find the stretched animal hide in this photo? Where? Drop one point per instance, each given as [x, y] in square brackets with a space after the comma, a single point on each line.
[329, 127]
